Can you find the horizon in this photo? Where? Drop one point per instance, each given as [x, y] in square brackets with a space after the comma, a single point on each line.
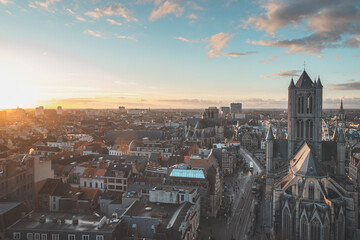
[179, 54]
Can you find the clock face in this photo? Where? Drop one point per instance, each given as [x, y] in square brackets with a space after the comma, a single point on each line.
[340, 124]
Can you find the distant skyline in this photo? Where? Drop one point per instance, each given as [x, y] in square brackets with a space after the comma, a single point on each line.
[175, 54]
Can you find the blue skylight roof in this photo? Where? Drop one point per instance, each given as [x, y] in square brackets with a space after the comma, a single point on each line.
[187, 173]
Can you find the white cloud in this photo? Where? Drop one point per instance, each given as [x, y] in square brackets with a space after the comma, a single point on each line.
[217, 43]
[126, 37]
[184, 39]
[77, 16]
[93, 33]
[192, 16]
[46, 4]
[6, 1]
[237, 54]
[112, 10]
[113, 22]
[166, 8]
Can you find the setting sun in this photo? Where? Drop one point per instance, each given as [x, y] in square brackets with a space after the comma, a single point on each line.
[15, 91]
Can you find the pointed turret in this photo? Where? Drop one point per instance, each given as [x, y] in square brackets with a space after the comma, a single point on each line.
[270, 135]
[292, 84]
[318, 83]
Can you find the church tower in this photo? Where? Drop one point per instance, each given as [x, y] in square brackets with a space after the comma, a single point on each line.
[304, 114]
[340, 121]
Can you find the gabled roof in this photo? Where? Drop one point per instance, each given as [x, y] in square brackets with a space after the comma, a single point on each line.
[304, 163]
[304, 81]
[95, 173]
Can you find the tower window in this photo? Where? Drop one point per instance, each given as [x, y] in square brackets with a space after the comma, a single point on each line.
[309, 104]
[311, 191]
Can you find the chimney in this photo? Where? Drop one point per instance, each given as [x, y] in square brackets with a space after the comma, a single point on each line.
[42, 219]
[75, 221]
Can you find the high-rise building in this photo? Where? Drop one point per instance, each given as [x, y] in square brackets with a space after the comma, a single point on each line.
[308, 195]
[236, 108]
[225, 110]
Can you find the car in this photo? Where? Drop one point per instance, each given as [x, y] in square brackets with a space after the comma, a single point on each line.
[251, 166]
[254, 188]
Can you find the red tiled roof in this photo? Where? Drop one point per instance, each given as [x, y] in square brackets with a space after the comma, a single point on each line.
[94, 173]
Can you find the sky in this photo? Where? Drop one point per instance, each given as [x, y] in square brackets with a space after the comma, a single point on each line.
[176, 53]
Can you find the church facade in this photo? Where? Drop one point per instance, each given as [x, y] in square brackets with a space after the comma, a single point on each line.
[308, 195]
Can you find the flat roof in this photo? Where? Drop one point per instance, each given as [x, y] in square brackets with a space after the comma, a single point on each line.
[87, 223]
[188, 173]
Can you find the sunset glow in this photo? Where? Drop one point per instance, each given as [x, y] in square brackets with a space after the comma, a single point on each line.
[168, 53]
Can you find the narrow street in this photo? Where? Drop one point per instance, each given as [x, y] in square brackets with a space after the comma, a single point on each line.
[243, 215]
[242, 211]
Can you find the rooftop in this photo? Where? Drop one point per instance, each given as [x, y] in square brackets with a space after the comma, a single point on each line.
[188, 173]
[86, 223]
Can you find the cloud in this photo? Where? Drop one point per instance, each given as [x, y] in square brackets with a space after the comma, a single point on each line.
[6, 2]
[236, 54]
[113, 22]
[328, 24]
[355, 56]
[166, 8]
[353, 42]
[270, 59]
[337, 57]
[288, 73]
[45, 4]
[349, 85]
[78, 17]
[184, 39]
[93, 33]
[125, 37]
[217, 43]
[112, 10]
[192, 16]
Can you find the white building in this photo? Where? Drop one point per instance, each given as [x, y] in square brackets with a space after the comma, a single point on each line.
[93, 178]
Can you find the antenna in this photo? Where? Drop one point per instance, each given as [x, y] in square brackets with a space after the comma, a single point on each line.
[304, 65]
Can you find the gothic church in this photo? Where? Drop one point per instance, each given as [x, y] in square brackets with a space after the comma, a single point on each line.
[308, 195]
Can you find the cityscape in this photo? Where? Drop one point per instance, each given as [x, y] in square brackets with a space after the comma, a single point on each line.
[179, 120]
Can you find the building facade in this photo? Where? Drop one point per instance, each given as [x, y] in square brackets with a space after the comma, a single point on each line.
[308, 196]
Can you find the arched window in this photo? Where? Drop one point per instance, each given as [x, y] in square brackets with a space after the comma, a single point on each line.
[301, 129]
[96, 185]
[302, 104]
[315, 229]
[340, 227]
[84, 184]
[309, 129]
[311, 104]
[304, 229]
[298, 129]
[311, 190]
[299, 186]
[299, 105]
[286, 224]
